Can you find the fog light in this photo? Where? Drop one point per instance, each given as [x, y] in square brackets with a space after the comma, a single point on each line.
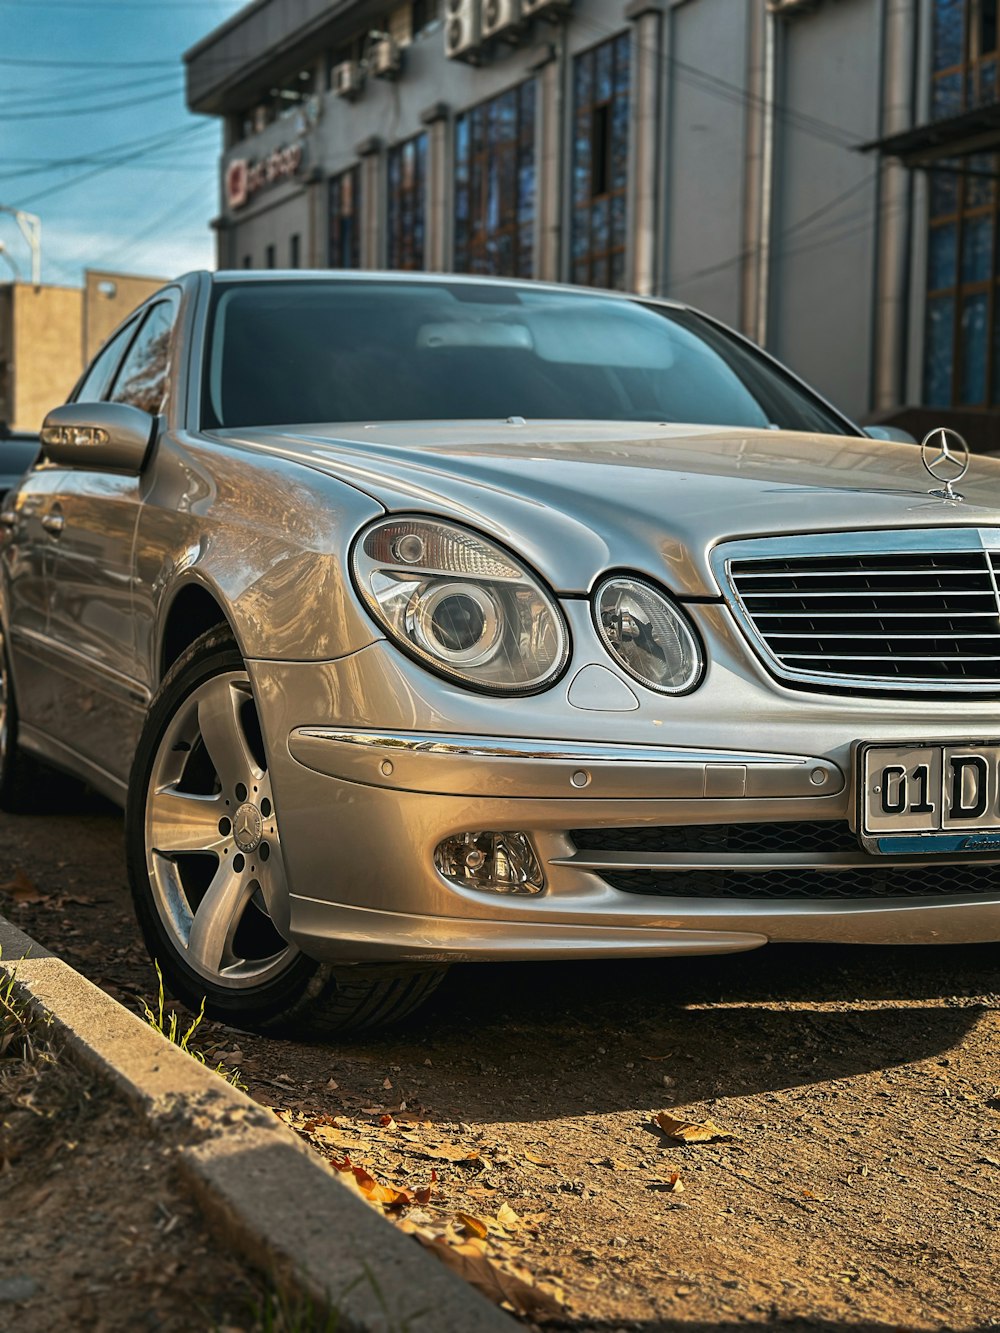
[495, 862]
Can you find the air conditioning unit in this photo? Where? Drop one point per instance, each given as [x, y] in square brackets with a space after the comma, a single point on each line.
[346, 79]
[462, 29]
[500, 18]
[386, 59]
[544, 9]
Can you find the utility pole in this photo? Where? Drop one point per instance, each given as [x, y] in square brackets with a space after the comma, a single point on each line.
[30, 227]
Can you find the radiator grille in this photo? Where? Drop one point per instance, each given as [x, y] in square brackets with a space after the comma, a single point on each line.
[894, 617]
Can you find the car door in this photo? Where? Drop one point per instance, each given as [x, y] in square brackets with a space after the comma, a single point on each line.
[31, 524]
[91, 625]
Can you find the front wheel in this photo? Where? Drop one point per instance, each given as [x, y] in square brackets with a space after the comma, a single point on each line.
[207, 870]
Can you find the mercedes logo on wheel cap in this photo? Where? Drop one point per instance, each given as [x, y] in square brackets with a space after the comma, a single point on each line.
[248, 828]
[945, 455]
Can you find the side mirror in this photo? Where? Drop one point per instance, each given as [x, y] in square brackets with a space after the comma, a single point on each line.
[891, 434]
[98, 435]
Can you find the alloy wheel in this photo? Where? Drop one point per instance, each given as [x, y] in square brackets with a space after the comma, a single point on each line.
[213, 848]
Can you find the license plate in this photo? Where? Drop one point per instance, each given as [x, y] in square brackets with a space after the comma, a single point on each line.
[930, 797]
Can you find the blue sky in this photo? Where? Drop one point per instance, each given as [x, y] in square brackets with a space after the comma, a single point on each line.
[86, 82]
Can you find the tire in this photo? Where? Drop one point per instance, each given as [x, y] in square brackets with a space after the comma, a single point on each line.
[205, 865]
[20, 776]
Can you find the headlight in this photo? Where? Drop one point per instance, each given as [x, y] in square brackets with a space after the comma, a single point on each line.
[647, 635]
[461, 605]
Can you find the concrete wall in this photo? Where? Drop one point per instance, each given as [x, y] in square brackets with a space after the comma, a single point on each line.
[823, 267]
[706, 127]
[107, 299]
[47, 350]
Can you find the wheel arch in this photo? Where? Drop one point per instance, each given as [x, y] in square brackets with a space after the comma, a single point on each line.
[193, 609]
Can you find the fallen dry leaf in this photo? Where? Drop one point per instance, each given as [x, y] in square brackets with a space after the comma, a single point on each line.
[690, 1131]
[507, 1218]
[671, 1185]
[537, 1161]
[474, 1225]
[21, 889]
[387, 1196]
[503, 1286]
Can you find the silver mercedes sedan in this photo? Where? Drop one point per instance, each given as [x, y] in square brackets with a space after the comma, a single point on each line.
[418, 618]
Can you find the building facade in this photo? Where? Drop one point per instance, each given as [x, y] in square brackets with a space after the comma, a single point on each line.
[750, 157]
[49, 333]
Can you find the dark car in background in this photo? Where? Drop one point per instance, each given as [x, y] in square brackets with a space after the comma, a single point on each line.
[18, 451]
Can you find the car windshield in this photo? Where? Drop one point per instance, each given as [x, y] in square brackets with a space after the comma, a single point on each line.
[286, 353]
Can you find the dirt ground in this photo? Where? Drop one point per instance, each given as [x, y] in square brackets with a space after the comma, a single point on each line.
[96, 1234]
[860, 1188]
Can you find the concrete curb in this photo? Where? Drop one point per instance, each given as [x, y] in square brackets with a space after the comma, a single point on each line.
[257, 1183]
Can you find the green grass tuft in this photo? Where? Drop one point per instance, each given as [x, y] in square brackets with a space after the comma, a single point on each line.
[168, 1026]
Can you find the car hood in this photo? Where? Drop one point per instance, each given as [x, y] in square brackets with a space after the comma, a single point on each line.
[578, 498]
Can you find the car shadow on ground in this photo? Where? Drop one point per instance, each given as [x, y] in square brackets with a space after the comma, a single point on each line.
[531, 1041]
[560, 1039]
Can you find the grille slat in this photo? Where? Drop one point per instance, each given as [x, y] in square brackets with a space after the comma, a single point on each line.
[899, 617]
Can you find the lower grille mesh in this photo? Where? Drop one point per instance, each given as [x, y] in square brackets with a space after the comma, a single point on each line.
[820, 836]
[883, 878]
[895, 882]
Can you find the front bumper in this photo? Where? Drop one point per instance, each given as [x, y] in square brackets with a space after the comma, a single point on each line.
[385, 802]
[363, 808]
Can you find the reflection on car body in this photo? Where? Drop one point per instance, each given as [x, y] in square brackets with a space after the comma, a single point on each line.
[417, 619]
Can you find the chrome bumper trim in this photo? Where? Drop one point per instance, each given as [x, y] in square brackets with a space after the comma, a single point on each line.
[451, 765]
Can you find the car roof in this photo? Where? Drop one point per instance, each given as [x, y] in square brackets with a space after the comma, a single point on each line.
[243, 275]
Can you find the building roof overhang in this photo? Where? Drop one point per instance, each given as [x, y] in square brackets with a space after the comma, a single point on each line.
[974, 131]
[241, 58]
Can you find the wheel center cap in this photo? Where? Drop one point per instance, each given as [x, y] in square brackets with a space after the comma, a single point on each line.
[248, 827]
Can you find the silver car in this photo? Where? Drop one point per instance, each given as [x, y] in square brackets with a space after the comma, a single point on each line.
[416, 619]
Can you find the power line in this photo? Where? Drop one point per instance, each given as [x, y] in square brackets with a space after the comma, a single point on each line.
[167, 217]
[33, 97]
[93, 110]
[85, 64]
[108, 166]
[800, 225]
[120, 4]
[147, 142]
[733, 93]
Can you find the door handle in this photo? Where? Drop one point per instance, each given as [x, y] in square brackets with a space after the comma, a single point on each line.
[53, 523]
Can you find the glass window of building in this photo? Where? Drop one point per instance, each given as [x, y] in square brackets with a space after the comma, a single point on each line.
[406, 221]
[600, 162]
[495, 185]
[964, 56]
[962, 335]
[345, 219]
[962, 331]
